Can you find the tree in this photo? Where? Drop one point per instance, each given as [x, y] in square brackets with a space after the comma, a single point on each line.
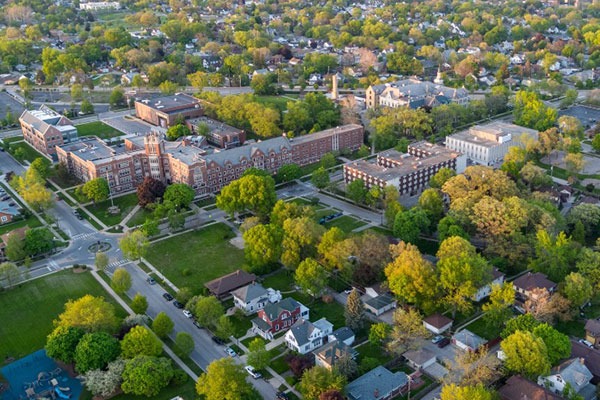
[149, 191]
[379, 333]
[407, 330]
[448, 227]
[497, 309]
[453, 392]
[140, 341]
[162, 325]
[331, 395]
[223, 380]
[101, 261]
[150, 227]
[32, 188]
[42, 166]
[311, 277]
[179, 195]
[139, 304]
[146, 375]
[177, 131]
[176, 220]
[95, 351]
[578, 289]
[320, 178]
[89, 313]
[15, 248]
[554, 255]
[38, 241]
[117, 98]
[87, 107]
[354, 312]
[262, 246]
[184, 295]
[391, 204]
[300, 239]
[596, 143]
[525, 322]
[258, 356]
[409, 224]
[262, 85]
[356, 191]
[441, 177]
[62, 342]
[432, 203]
[249, 193]
[531, 112]
[461, 272]
[525, 354]
[208, 310]
[134, 244]
[185, 343]
[225, 327]
[557, 344]
[284, 210]
[105, 383]
[121, 281]
[472, 368]
[96, 189]
[574, 162]
[346, 366]
[289, 172]
[9, 272]
[318, 380]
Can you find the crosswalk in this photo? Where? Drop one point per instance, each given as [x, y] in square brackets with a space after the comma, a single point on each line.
[52, 265]
[83, 235]
[110, 268]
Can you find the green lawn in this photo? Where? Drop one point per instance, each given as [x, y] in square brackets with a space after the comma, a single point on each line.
[139, 217]
[13, 139]
[369, 350]
[205, 254]
[571, 328]
[28, 310]
[125, 203]
[99, 129]
[241, 323]
[277, 101]
[333, 312]
[480, 328]
[30, 221]
[279, 365]
[345, 223]
[281, 280]
[28, 152]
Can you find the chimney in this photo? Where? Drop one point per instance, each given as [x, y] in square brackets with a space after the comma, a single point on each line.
[376, 393]
[581, 360]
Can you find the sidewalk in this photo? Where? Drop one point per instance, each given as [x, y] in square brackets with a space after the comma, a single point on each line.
[129, 216]
[82, 207]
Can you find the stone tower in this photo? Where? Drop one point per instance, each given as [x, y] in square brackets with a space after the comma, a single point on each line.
[334, 87]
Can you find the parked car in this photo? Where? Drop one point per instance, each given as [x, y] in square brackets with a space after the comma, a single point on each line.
[218, 340]
[230, 352]
[197, 324]
[252, 372]
[282, 396]
[187, 313]
[178, 304]
[437, 339]
[151, 281]
[443, 343]
[167, 296]
[587, 343]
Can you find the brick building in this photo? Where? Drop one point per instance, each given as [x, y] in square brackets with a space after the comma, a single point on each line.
[413, 93]
[44, 129]
[182, 162]
[409, 172]
[217, 133]
[165, 111]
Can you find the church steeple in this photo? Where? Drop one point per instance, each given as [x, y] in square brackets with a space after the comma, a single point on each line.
[438, 78]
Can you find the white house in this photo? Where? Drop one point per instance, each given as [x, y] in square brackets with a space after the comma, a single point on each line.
[437, 323]
[254, 297]
[420, 359]
[305, 336]
[484, 291]
[575, 373]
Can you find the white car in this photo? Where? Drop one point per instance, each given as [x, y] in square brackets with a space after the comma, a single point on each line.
[253, 373]
[187, 313]
[230, 352]
[588, 344]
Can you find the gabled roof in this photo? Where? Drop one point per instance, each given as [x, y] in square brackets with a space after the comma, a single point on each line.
[236, 154]
[250, 292]
[438, 320]
[288, 304]
[6, 208]
[574, 372]
[376, 384]
[530, 281]
[419, 357]
[468, 338]
[334, 350]
[301, 330]
[592, 327]
[590, 356]
[519, 388]
[380, 301]
[343, 334]
[229, 282]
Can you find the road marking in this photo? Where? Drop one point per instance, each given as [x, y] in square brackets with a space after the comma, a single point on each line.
[53, 265]
[83, 235]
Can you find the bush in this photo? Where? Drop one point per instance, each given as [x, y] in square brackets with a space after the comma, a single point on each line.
[179, 377]
[186, 272]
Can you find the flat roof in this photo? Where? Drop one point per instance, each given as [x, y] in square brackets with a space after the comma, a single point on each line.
[327, 132]
[165, 103]
[214, 126]
[90, 148]
[496, 128]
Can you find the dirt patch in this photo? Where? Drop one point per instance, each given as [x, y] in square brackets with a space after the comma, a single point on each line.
[79, 270]
[238, 242]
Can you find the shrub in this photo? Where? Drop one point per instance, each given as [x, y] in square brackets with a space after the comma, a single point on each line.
[179, 377]
[186, 272]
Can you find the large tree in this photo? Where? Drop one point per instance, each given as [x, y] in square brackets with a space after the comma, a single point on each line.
[407, 330]
[318, 380]
[32, 188]
[38, 241]
[140, 341]
[162, 325]
[531, 112]
[42, 166]
[497, 310]
[555, 255]
[432, 203]
[139, 304]
[134, 244]
[578, 289]
[149, 191]
[121, 280]
[179, 195]
[90, 313]
[176, 131]
[262, 246]
[223, 380]
[300, 239]
[96, 189]
[95, 351]
[454, 392]
[249, 193]
[525, 354]
[15, 247]
[62, 342]
[9, 273]
[104, 383]
[146, 375]
[208, 310]
[258, 356]
[311, 277]
[409, 224]
[558, 344]
[354, 311]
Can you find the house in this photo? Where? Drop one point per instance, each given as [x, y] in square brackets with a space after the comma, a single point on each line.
[305, 336]
[377, 384]
[343, 335]
[329, 353]
[591, 358]
[519, 388]
[483, 292]
[127, 79]
[8, 212]
[526, 285]
[572, 372]
[380, 304]
[254, 297]
[223, 286]
[592, 331]
[467, 340]
[278, 317]
[420, 359]
[437, 323]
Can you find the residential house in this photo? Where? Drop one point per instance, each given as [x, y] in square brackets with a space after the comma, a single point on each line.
[592, 331]
[526, 287]
[329, 353]
[467, 340]
[572, 372]
[420, 359]
[343, 335]
[484, 291]
[519, 388]
[377, 384]
[380, 304]
[8, 212]
[254, 297]
[437, 323]
[305, 336]
[278, 317]
[591, 358]
[223, 286]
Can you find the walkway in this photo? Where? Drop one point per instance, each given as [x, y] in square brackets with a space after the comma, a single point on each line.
[77, 204]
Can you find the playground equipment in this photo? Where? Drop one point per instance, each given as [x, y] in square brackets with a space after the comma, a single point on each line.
[61, 394]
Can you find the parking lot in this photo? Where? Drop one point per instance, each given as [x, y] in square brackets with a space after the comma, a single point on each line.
[588, 116]
[7, 103]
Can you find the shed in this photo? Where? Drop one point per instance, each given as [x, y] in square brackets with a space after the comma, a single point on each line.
[437, 323]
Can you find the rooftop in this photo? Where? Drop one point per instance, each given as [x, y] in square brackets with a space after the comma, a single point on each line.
[167, 103]
[531, 281]
[250, 292]
[90, 148]
[376, 384]
[519, 388]
[215, 127]
[493, 134]
[592, 327]
[325, 133]
[438, 320]
[469, 339]
[229, 282]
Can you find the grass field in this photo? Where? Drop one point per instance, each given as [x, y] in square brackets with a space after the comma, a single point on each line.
[139, 217]
[125, 203]
[99, 129]
[277, 101]
[203, 255]
[28, 310]
[30, 221]
[345, 223]
[27, 152]
[281, 280]
[480, 328]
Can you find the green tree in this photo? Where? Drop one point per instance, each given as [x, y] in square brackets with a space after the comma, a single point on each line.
[223, 380]
[140, 341]
[311, 277]
[354, 311]
[448, 227]
[134, 244]
[262, 85]
[184, 295]
[87, 107]
[32, 188]
[497, 310]
[185, 343]
[531, 112]
[356, 191]
[139, 304]
[42, 166]
[289, 172]
[318, 380]
[525, 354]
[249, 193]
[101, 261]
[441, 177]
[284, 210]
[555, 256]
[146, 375]
[121, 281]
[391, 204]
[407, 330]
[62, 342]
[454, 392]
[525, 322]
[208, 310]
[89, 313]
[150, 227]
[432, 203]
[76, 92]
[379, 333]
[320, 178]
[577, 289]
[96, 189]
[117, 98]
[557, 344]
[177, 131]
[258, 356]
[262, 246]
[95, 351]
[38, 241]
[179, 195]
[300, 239]
[15, 248]
[409, 224]
[162, 325]
[225, 327]
[596, 143]
[9, 272]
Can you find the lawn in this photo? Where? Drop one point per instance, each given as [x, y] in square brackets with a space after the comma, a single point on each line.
[139, 217]
[201, 255]
[480, 328]
[125, 203]
[279, 365]
[282, 280]
[345, 223]
[333, 312]
[99, 129]
[28, 153]
[369, 350]
[277, 101]
[241, 323]
[28, 310]
[30, 221]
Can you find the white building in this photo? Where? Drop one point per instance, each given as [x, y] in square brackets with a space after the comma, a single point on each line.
[100, 5]
[488, 144]
[254, 297]
[305, 336]
[484, 291]
[575, 373]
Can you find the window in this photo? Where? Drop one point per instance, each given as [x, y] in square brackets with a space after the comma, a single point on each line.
[4, 218]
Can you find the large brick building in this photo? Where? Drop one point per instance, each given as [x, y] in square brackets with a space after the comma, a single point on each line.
[413, 93]
[206, 172]
[166, 111]
[44, 129]
[409, 172]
